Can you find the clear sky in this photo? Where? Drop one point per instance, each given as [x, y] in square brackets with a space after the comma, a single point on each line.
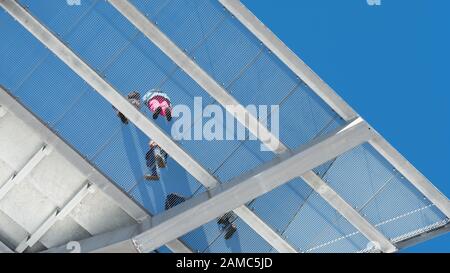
[389, 62]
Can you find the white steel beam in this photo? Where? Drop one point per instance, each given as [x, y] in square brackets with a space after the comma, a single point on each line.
[120, 103]
[177, 246]
[223, 97]
[17, 177]
[58, 214]
[228, 196]
[94, 175]
[196, 72]
[412, 174]
[272, 42]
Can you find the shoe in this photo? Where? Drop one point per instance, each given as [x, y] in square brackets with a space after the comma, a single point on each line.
[168, 115]
[123, 118]
[230, 231]
[151, 177]
[160, 161]
[224, 219]
[157, 112]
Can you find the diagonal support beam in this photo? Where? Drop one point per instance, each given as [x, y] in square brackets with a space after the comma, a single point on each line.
[139, 119]
[226, 197]
[223, 97]
[191, 68]
[58, 214]
[25, 170]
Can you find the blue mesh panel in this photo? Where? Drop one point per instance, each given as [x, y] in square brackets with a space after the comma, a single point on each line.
[316, 224]
[218, 55]
[122, 159]
[13, 70]
[303, 117]
[143, 71]
[59, 17]
[240, 161]
[53, 96]
[401, 209]
[266, 81]
[185, 21]
[379, 192]
[85, 130]
[290, 199]
[89, 41]
[151, 8]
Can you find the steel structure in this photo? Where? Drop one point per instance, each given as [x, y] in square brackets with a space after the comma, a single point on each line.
[320, 159]
[19, 121]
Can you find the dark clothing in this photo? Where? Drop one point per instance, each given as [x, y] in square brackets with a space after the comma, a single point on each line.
[150, 158]
[173, 200]
[226, 224]
[134, 99]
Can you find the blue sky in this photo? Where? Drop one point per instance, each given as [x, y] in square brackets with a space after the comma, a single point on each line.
[389, 62]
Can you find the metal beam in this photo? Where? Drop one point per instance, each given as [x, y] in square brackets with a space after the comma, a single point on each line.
[17, 177]
[70, 154]
[272, 42]
[223, 97]
[120, 103]
[228, 196]
[177, 246]
[412, 174]
[58, 214]
[4, 248]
